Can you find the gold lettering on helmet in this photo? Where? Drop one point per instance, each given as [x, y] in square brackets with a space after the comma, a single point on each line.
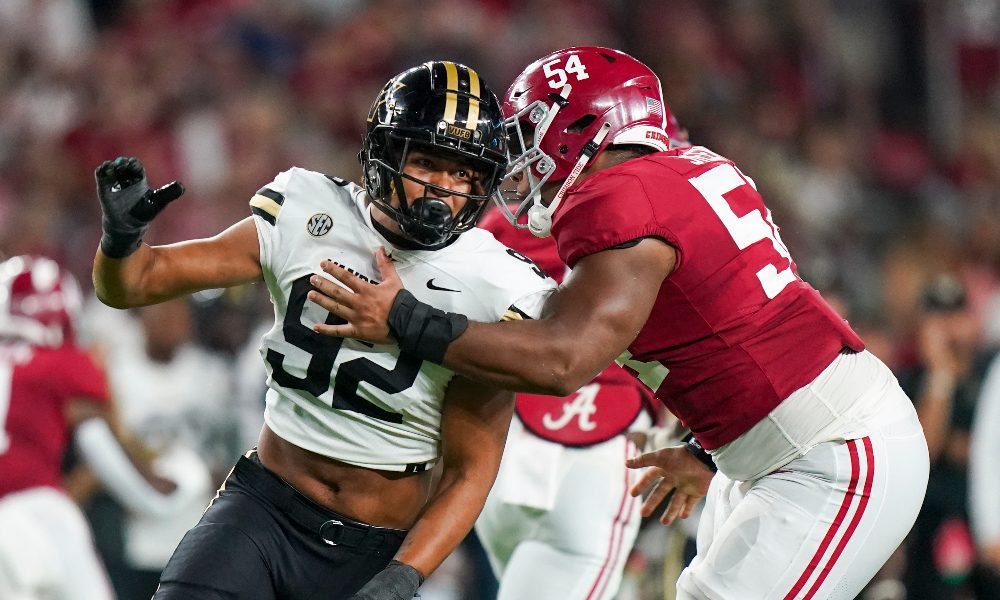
[459, 132]
[384, 97]
[378, 102]
[474, 91]
[451, 98]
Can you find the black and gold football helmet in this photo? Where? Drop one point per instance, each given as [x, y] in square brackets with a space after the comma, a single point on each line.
[440, 107]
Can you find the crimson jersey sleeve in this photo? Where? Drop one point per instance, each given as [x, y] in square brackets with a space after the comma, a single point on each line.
[585, 223]
[35, 430]
[79, 375]
[733, 330]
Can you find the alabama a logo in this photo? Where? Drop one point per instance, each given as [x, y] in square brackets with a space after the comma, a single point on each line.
[582, 408]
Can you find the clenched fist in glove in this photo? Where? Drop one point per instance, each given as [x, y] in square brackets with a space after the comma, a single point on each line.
[128, 204]
[398, 581]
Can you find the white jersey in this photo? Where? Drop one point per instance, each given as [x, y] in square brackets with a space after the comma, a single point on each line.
[358, 403]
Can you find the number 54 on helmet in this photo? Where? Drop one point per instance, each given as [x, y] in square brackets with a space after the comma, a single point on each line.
[565, 109]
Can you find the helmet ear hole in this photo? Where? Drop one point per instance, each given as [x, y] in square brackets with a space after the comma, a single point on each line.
[581, 124]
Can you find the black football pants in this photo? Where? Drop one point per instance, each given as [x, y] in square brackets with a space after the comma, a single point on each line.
[260, 539]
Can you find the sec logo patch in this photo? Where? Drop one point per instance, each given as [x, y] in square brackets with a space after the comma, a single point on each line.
[319, 224]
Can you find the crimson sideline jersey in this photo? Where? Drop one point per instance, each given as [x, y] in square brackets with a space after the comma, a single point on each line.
[733, 331]
[36, 384]
[601, 409]
[363, 404]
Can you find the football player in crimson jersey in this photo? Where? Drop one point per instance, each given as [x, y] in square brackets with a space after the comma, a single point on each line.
[559, 521]
[338, 500]
[680, 275]
[52, 391]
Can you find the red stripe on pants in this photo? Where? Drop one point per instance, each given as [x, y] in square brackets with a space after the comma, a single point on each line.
[835, 526]
[862, 504]
[617, 533]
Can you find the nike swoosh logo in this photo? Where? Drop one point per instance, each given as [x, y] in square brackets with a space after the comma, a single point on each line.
[431, 286]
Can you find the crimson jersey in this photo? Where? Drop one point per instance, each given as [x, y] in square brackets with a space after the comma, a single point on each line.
[35, 386]
[733, 331]
[598, 411]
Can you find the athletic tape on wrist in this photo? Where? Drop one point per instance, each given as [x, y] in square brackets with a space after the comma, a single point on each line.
[118, 244]
[422, 330]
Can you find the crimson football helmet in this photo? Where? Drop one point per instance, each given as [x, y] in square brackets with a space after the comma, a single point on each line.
[565, 109]
[39, 301]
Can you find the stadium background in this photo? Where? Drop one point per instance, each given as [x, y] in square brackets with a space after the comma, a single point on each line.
[872, 128]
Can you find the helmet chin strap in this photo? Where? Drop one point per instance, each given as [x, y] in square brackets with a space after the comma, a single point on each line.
[540, 216]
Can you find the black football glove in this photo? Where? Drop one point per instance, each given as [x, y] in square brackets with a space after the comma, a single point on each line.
[128, 204]
[398, 581]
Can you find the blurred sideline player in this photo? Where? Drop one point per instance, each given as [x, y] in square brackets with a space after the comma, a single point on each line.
[339, 490]
[52, 390]
[679, 273]
[559, 521]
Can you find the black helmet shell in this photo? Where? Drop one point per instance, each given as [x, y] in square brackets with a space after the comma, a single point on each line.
[443, 106]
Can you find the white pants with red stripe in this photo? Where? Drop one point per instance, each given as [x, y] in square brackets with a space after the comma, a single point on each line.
[820, 526]
[559, 522]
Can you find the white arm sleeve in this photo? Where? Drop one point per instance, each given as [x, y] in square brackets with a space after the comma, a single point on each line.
[984, 476]
[106, 457]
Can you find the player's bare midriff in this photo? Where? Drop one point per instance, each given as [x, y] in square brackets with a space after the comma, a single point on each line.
[383, 498]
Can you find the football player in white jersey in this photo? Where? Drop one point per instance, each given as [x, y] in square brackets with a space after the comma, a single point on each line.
[337, 500]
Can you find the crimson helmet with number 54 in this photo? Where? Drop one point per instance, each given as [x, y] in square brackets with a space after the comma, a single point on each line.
[565, 109]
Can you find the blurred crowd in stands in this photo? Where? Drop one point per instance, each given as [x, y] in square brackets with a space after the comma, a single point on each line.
[872, 129]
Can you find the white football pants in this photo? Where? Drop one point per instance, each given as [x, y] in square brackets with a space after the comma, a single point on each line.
[565, 531]
[47, 550]
[819, 527]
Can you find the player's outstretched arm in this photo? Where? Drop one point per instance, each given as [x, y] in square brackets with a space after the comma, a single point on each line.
[129, 273]
[127, 476]
[474, 425]
[585, 325]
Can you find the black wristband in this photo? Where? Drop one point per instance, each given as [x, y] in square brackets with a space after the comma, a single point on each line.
[422, 330]
[695, 449]
[117, 244]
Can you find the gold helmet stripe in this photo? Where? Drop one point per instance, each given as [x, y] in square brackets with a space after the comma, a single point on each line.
[451, 98]
[474, 100]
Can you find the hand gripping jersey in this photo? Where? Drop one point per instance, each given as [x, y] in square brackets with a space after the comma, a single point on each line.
[362, 404]
[600, 410]
[36, 384]
[733, 331]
